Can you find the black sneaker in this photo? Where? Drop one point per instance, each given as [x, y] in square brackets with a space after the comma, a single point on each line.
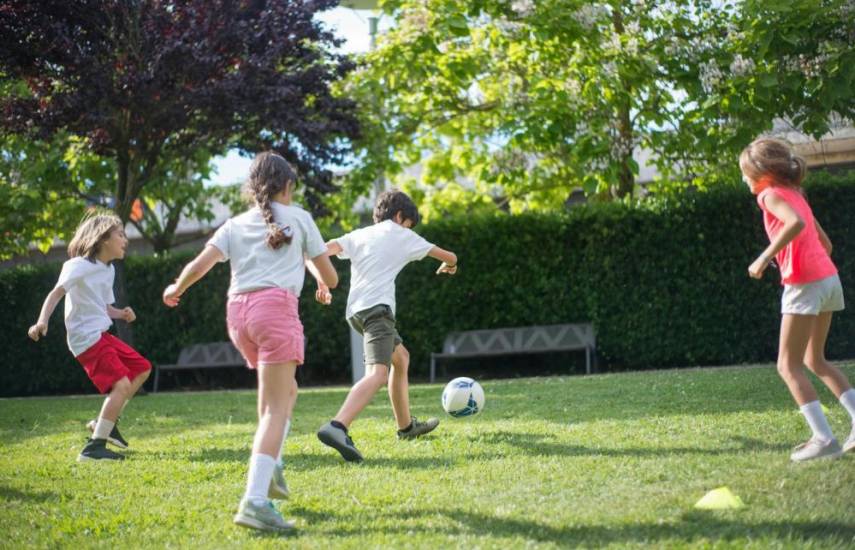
[115, 438]
[340, 441]
[418, 428]
[96, 449]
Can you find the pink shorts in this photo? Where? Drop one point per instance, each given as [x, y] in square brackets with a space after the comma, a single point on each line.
[109, 360]
[265, 327]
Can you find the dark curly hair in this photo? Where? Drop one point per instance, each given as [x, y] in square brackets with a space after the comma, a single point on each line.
[268, 175]
[390, 202]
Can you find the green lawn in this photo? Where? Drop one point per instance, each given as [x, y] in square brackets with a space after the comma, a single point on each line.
[610, 460]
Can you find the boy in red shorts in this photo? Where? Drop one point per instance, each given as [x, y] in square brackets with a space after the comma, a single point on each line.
[86, 282]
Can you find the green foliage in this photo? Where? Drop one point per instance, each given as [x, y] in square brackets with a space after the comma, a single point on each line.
[665, 284]
[612, 461]
[529, 100]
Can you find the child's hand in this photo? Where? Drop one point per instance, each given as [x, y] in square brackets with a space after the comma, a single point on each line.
[323, 294]
[128, 315]
[757, 267]
[445, 268]
[37, 331]
[171, 296]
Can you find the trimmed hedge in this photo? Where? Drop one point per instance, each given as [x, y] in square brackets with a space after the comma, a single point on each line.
[665, 284]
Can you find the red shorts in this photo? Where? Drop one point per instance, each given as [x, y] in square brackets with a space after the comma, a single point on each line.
[110, 360]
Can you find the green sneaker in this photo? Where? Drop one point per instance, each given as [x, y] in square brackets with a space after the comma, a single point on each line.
[278, 486]
[96, 449]
[264, 517]
[418, 428]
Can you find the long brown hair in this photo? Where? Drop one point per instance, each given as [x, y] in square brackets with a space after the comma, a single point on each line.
[773, 158]
[268, 175]
[94, 229]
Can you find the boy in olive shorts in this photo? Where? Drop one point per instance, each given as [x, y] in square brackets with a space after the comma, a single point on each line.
[377, 254]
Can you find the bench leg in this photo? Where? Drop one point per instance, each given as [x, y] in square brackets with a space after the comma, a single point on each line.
[432, 369]
[587, 360]
[156, 379]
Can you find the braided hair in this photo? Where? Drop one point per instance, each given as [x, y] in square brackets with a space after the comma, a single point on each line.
[268, 175]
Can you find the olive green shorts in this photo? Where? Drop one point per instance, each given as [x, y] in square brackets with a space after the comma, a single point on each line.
[379, 335]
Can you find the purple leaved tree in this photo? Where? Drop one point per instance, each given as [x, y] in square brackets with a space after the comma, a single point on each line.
[145, 80]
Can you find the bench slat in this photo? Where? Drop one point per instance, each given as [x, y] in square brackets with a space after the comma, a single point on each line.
[518, 340]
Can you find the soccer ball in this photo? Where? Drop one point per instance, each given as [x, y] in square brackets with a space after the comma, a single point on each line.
[463, 397]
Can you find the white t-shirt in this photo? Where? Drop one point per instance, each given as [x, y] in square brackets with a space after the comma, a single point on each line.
[377, 254]
[88, 291]
[255, 266]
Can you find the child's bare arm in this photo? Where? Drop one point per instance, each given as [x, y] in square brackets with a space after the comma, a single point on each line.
[793, 225]
[823, 237]
[126, 313]
[40, 328]
[192, 272]
[323, 271]
[448, 259]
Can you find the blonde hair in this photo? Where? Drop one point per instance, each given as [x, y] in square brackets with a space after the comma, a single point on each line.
[775, 158]
[268, 175]
[91, 234]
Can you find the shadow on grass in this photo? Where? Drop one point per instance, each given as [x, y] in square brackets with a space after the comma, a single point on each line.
[539, 445]
[691, 527]
[10, 494]
[309, 462]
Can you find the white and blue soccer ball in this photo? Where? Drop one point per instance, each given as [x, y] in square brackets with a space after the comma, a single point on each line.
[463, 397]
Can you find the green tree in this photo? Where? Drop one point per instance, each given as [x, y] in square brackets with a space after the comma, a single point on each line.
[529, 100]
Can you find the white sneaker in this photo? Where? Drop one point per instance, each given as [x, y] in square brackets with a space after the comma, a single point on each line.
[849, 444]
[816, 448]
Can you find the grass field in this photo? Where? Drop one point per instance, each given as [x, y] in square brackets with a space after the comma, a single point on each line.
[609, 460]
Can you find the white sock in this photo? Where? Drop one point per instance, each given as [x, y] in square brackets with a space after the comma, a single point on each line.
[258, 480]
[847, 399]
[279, 461]
[102, 428]
[817, 421]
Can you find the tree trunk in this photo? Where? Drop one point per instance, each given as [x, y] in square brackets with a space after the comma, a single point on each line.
[623, 148]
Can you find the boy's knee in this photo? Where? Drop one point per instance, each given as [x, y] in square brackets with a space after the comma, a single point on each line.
[143, 376]
[122, 388]
[379, 374]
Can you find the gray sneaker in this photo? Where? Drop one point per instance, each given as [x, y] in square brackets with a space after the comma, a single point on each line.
[278, 487]
[340, 441]
[849, 444]
[816, 448]
[264, 517]
[418, 428]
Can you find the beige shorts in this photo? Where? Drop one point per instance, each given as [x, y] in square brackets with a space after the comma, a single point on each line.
[813, 298]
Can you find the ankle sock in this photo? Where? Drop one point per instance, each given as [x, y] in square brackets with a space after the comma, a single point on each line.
[258, 479]
[847, 399]
[103, 427]
[817, 421]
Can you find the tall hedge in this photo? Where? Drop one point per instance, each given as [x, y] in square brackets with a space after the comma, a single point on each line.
[664, 283]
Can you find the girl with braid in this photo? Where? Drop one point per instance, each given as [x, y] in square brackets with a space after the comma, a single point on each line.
[269, 247]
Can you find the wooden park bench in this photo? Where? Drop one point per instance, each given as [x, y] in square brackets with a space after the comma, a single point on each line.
[203, 356]
[520, 340]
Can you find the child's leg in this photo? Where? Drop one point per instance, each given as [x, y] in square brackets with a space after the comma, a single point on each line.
[112, 407]
[362, 393]
[399, 386]
[830, 375]
[275, 396]
[796, 332]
